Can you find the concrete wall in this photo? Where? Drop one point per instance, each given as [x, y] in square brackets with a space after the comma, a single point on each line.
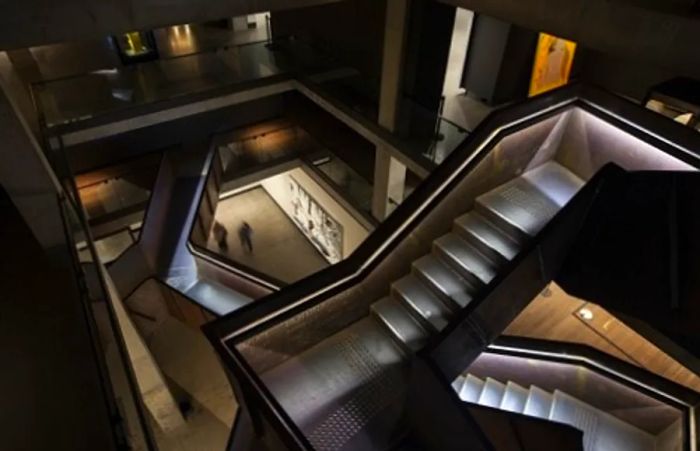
[278, 188]
[631, 79]
[666, 37]
[36, 22]
[354, 29]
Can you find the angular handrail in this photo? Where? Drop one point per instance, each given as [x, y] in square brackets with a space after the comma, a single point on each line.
[234, 328]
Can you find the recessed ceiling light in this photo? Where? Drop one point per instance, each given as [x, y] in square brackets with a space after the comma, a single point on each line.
[585, 314]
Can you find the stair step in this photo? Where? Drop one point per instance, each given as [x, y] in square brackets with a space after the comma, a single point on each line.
[421, 301]
[555, 181]
[458, 383]
[471, 390]
[443, 280]
[600, 429]
[490, 241]
[539, 403]
[401, 324]
[524, 205]
[514, 398]
[465, 259]
[492, 393]
[518, 208]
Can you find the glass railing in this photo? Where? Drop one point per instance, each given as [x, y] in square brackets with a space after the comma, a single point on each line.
[115, 200]
[127, 412]
[98, 93]
[345, 179]
[105, 92]
[282, 169]
[101, 92]
[448, 137]
[122, 396]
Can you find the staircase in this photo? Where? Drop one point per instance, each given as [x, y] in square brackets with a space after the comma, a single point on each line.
[601, 431]
[339, 387]
[468, 258]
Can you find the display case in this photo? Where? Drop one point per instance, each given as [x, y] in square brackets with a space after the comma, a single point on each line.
[136, 47]
[677, 99]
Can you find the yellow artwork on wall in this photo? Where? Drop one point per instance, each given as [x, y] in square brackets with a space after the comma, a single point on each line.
[134, 44]
[553, 60]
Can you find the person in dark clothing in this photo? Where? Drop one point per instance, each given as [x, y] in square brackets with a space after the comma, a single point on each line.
[245, 234]
[220, 235]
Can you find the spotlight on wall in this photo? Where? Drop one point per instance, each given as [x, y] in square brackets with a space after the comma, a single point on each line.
[585, 314]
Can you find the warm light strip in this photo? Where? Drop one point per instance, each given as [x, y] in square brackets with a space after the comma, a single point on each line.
[582, 359]
[233, 269]
[439, 190]
[642, 129]
[399, 230]
[578, 358]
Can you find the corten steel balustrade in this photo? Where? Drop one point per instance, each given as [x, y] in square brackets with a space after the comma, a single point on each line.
[346, 359]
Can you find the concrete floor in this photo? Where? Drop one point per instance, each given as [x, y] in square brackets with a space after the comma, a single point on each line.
[465, 111]
[193, 371]
[280, 250]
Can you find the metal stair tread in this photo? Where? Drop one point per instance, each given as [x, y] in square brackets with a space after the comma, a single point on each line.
[471, 389]
[401, 324]
[421, 301]
[598, 426]
[458, 383]
[475, 227]
[444, 280]
[465, 258]
[555, 181]
[517, 207]
[492, 394]
[525, 204]
[514, 398]
[539, 403]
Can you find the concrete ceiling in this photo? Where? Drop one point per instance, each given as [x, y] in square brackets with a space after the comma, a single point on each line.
[25, 23]
[661, 32]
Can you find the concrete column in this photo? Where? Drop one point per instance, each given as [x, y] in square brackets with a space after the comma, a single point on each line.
[458, 52]
[389, 173]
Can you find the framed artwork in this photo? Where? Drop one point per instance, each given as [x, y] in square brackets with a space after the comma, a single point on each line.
[324, 232]
[554, 58]
[136, 46]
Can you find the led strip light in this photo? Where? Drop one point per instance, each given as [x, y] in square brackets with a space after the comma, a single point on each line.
[600, 366]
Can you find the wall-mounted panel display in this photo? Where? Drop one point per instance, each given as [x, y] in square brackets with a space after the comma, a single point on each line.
[677, 99]
[324, 231]
[554, 58]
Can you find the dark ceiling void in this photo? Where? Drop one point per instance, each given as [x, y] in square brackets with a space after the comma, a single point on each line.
[36, 22]
[637, 253]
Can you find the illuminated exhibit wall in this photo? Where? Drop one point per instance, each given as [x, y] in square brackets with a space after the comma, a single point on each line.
[334, 231]
[554, 58]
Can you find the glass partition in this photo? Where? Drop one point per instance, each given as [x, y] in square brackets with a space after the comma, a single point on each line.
[126, 407]
[274, 194]
[115, 199]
